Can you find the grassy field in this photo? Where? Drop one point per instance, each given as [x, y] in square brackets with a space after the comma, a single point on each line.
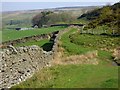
[23, 17]
[73, 76]
[39, 43]
[13, 34]
[71, 48]
[95, 41]
[45, 44]
[103, 75]
[83, 43]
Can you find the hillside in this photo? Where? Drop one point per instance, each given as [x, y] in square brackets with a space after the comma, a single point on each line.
[23, 18]
[92, 15]
[107, 15]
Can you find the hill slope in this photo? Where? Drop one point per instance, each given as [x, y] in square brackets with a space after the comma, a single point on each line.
[107, 15]
[23, 18]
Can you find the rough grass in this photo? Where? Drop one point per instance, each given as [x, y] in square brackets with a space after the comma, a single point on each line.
[95, 41]
[76, 43]
[73, 76]
[13, 34]
[24, 17]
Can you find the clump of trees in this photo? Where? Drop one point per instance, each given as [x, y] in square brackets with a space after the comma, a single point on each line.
[41, 19]
[48, 18]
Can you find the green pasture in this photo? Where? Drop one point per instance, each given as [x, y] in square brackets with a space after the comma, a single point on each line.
[73, 76]
[13, 34]
[103, 75]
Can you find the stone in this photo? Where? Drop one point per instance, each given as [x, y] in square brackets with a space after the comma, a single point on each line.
[21, 62]
[13, 49]
[25, 49]
[24, 59]
[8, 52]
[21, 72]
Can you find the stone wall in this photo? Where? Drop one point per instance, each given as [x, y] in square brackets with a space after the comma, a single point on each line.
[116, 55]
[56, 41]
[19, 63]
[66, 25]
[26, 39]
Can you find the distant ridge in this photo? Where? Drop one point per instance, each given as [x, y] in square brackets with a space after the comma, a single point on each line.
[76, 7]
[57, 8]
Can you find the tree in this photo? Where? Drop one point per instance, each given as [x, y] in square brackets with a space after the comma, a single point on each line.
[48, 18]
[41, 19]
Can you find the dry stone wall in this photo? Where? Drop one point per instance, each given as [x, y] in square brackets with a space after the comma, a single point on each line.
[56, 40]
[116, 55]
[26, 39]
[19, 63]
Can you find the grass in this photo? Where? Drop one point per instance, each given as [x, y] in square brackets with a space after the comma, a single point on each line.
[39, 43]
[23, 17]
[76, 43]
[73, 76]
[95, 41]
[103, 75]
[71, 48]
[45, 44]
[13, 34]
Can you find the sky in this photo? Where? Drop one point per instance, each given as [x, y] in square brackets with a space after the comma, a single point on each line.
[13, 5]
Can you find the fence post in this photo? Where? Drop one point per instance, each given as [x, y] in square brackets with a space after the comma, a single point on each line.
[82, 29]
[113, 31]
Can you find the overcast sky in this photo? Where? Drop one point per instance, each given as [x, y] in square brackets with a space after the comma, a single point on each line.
[13, 5]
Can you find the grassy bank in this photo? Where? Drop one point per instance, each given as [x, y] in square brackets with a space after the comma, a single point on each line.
[71, 48]
[76, 43]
